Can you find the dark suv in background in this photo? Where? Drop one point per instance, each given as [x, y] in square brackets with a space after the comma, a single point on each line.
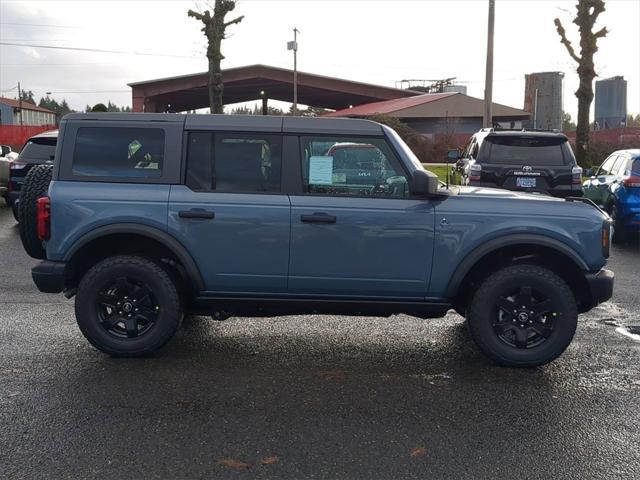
[530, 161]
[39, 149]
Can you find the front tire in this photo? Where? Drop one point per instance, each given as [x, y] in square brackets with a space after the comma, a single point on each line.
[523, 316]
[128, 306]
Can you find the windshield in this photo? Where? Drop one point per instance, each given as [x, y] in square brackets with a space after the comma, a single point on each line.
[39, 149]
[525, 150]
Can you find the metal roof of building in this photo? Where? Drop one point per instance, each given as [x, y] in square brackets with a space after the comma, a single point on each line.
[431, 105]
[25, 105]
[241, 84]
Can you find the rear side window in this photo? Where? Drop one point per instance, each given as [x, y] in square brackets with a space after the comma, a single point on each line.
[39, 149]
[229, 162]
[119, 152]
[525, 150]
[635, 166]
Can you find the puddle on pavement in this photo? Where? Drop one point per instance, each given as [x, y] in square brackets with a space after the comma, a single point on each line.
[631, 331]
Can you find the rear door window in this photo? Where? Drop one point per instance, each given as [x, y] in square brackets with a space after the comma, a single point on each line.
[635, 166]
[119, 152]
[525, 150]
[234, 162]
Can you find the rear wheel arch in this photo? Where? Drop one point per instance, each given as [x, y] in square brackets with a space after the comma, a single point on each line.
[510, 250]
[138, 239]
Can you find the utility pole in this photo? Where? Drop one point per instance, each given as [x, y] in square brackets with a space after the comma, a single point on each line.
[20, 104]
[487, 120]
[294, 46]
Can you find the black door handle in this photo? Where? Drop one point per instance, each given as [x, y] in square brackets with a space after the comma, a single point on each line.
[318, 218]
[197, 214]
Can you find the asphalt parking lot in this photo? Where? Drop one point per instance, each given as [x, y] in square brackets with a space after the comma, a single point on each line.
[312, 397]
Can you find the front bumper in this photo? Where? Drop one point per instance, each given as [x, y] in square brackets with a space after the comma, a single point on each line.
[49, 276]
[600, 285]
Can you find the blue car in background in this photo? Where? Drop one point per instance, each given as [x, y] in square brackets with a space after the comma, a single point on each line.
[615, 185]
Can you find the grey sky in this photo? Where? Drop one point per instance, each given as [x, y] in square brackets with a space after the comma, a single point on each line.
[372, 41]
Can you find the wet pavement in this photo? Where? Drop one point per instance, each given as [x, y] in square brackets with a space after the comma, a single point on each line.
[312, 397]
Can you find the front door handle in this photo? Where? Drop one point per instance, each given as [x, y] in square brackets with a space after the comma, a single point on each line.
[318, 218]
[197, 214]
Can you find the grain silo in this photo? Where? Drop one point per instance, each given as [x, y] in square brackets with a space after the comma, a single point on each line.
[611, 102]
[543, 99]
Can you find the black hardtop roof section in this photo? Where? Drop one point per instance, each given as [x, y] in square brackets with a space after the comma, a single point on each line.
[127, 117]
[330, 126]
[526, 133]
[261, 123]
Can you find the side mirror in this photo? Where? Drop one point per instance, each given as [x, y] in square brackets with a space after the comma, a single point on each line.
[423, 183]
[6, 150]
[453, 155]
[589, 172]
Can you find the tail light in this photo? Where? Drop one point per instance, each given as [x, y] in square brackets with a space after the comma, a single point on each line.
[632, 182]
[43, 218]
[576, 175]
[475, 171]
[16, 165]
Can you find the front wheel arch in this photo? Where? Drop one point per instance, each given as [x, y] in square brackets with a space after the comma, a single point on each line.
[475, 268]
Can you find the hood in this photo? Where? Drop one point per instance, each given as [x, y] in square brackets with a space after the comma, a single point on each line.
[483, 192]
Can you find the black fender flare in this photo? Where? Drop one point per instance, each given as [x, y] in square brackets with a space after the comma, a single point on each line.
[465, 266]
[153, 233]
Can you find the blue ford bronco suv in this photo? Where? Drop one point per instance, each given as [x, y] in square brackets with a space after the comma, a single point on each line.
[148, 217]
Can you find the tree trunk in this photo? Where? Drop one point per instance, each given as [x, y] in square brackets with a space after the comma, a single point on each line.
[216, 87]
[585, 97]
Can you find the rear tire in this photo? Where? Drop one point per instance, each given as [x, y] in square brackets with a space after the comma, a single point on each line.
[128, 306]
[36, 185]
[523, 316]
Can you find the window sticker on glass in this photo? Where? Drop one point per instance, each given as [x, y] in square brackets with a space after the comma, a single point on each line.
[320, 170]
[133, 148]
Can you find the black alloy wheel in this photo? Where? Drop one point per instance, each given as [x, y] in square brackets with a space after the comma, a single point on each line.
[524, 318]
[127, 308]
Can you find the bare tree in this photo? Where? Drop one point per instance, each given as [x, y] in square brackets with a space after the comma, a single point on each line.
[586, 16]
[214, 29]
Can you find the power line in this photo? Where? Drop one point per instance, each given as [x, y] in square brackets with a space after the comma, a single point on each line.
[97, 50]
[88, 91]
[39, 25]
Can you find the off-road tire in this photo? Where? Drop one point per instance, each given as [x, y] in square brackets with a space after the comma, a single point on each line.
[36, 185]
[170, 312]
[14, 210]
[483, 311]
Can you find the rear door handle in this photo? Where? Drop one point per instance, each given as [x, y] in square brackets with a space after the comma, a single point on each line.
[197, 214]
[318, 218]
